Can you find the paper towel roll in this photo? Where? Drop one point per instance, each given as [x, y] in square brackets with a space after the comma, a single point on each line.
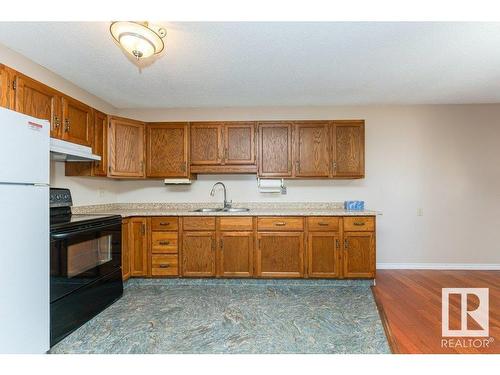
[270, 186]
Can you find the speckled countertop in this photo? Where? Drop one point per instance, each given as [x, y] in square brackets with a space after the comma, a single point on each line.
[256, 209]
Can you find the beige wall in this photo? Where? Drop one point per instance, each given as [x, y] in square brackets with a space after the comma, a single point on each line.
[442, 159]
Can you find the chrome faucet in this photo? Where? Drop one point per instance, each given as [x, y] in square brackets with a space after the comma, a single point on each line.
[227, 204]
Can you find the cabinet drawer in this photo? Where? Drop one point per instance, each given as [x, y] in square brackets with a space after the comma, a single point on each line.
[323, 223]
[164, 265]
[164, 223]
[198, 223]
[359, 224]
[280, 223]
[235, 223]
[164, 242]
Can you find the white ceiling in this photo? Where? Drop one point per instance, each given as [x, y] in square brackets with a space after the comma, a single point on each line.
[268, 64]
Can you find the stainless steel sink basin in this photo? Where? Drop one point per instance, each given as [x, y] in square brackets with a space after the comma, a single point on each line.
[239, 209]
[208, 210]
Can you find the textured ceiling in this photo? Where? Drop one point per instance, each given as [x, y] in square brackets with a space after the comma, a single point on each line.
[253, 64]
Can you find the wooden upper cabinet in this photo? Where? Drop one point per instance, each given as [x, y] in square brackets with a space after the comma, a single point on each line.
[126, 139]
[206, 143]
[239, 143]
[275, 149]
[40, 101]
[77, 123]
[6, 94]
[100, 146]
[348, 140]
[312, 149]
[167, 149]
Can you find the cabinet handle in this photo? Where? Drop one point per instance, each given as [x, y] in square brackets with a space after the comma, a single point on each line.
[164, 265]
[358, 224]
[297, 166]
[66, 125]
[163, 223]
[337, 243]
[164, 242]
[221, 244]
[334, 165]
[143, 229]
[57, 122]
[346, 244]
[226, 153]
[183, 167]
[323, 224]
[280, 223]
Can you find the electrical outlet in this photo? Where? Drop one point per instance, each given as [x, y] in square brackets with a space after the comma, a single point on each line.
[420, 211]
[101, 192]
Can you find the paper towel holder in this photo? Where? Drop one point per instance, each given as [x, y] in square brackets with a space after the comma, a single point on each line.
[282, 187]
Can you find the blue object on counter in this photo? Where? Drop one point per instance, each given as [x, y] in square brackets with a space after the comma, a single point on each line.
[354, 205]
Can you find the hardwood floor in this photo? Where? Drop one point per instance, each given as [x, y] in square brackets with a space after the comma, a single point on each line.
[411, 303]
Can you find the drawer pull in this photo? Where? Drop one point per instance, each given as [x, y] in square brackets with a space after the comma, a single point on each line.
[164, 265]
[358, 224]
[164, 242]
[323, 224]
[280, 223]
[162, 223]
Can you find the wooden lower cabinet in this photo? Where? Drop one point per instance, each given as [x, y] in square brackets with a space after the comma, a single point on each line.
[138, 246]
[197, 246]
[125, 250]
[323, 255]
[359, 255]
[235, 254]
[198, 254]
[280, 254]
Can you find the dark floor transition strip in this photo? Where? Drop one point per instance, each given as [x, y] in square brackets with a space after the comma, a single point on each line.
[235, 317]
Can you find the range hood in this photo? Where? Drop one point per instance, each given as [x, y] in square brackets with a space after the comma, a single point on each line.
[66, 151]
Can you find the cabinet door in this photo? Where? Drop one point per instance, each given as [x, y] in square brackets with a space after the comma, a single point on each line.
[312, 149]
[198, 254]
[6, 96]
[323, 254]
[125, 250]
[275, 149]
[100, 146]
[239, 143]
[35, 99]
[77, 122]
[348, 139]
[126, 148]
[138, 244]
[235, 257]
[359, 254]
[206, 143]
[280, 254]
[167, 150]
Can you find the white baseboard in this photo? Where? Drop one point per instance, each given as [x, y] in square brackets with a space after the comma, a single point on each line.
[437, 266]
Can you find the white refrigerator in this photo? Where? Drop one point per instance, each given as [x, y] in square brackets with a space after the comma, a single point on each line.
[24, 229]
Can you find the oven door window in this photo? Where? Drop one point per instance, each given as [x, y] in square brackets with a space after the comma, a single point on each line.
[86, 255]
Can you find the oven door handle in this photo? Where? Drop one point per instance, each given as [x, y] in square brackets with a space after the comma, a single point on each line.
[63, 235]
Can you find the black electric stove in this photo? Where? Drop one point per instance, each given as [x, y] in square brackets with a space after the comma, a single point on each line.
[85, 265]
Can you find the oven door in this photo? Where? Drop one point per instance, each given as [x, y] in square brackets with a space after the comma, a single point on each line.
[82, 255]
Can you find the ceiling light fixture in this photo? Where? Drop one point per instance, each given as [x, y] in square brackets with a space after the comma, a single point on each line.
[139, 39]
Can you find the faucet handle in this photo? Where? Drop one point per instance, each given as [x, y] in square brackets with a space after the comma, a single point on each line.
[229, 203]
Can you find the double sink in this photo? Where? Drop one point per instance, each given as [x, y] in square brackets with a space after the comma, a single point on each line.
[226, 209]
